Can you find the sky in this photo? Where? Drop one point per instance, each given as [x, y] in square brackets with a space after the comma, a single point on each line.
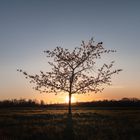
[28, 27]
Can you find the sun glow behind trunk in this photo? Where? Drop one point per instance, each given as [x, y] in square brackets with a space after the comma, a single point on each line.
[73, 99]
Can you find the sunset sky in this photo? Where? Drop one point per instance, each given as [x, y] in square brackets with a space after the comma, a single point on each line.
[28, 27]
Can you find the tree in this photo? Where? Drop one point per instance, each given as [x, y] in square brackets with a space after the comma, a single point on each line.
[74, 71]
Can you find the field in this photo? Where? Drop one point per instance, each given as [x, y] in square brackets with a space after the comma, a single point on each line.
[83, 124]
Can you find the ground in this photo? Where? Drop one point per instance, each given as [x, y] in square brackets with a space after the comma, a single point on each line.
[83, 124]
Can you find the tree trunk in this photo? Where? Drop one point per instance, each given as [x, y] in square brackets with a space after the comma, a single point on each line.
[69, 110]
[70, 92]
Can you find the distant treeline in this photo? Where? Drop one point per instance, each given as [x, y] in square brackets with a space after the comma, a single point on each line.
[21, 103]
[124, 102]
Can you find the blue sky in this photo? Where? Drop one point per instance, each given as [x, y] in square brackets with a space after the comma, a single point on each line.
[27, 27]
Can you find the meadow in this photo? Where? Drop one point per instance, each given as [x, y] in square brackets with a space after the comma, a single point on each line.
[40, 123]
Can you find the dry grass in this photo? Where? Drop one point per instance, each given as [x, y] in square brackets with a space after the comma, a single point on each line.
[39, 123]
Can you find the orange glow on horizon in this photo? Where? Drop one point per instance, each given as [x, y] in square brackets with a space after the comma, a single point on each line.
[112, 92]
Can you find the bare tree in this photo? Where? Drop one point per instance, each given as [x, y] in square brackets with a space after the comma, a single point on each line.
[74, 71]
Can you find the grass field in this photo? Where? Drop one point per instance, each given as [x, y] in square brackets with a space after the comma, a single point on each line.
[55, 124]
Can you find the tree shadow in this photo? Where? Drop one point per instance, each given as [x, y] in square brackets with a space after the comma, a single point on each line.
[68, 131]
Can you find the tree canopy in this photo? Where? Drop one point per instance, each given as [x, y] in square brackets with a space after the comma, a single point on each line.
[74, 71]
